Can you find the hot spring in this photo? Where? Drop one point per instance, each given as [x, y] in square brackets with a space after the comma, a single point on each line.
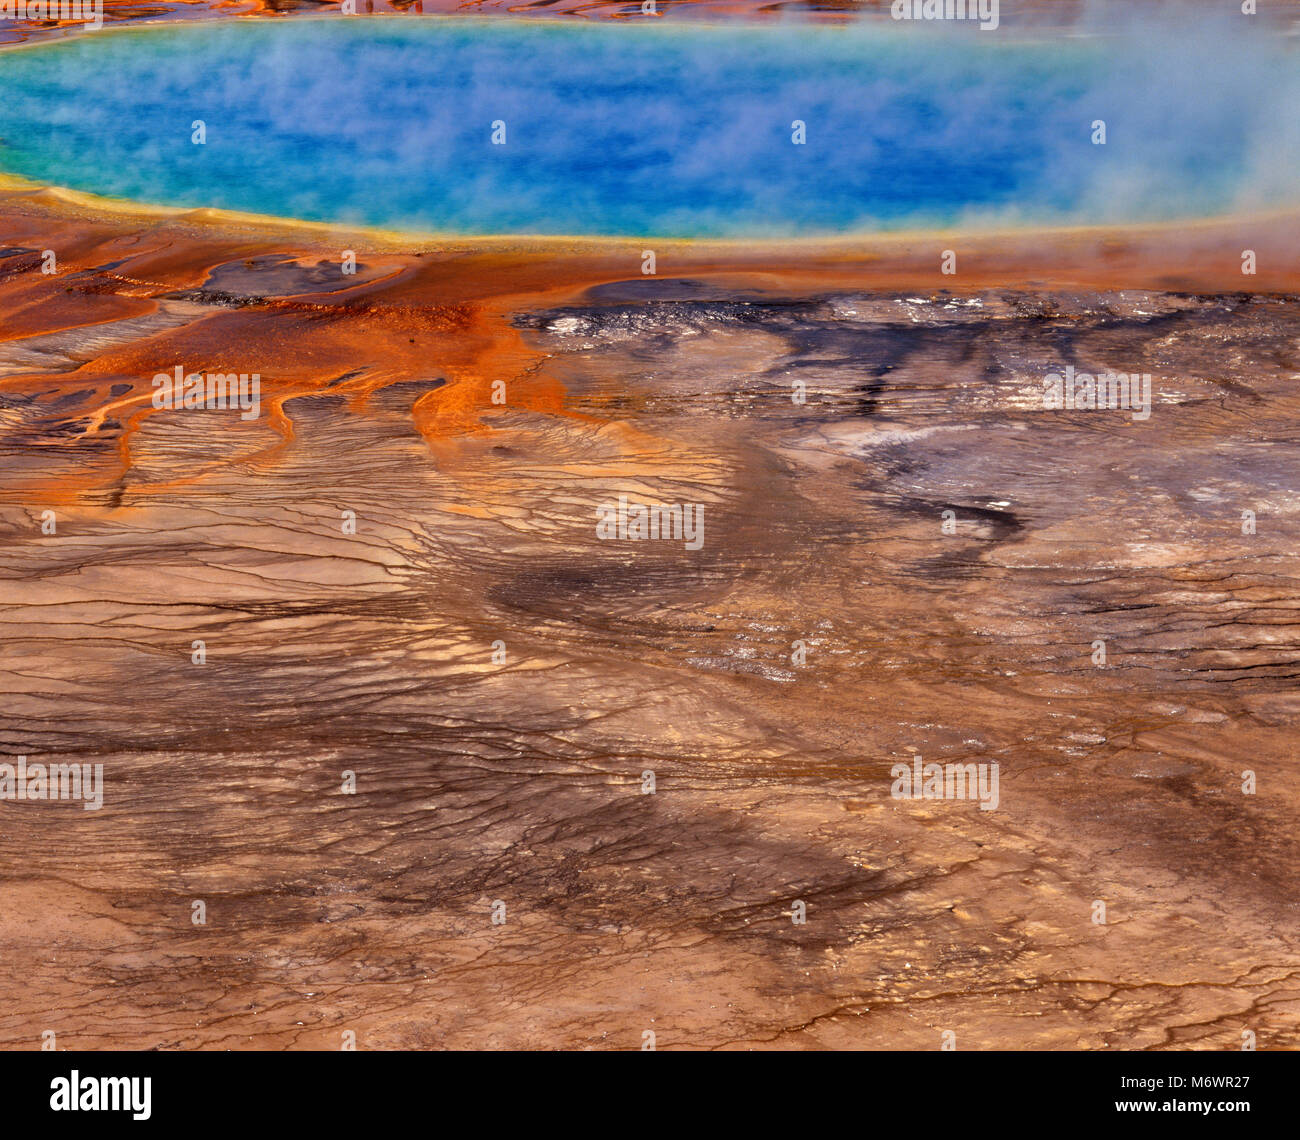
[467, 127]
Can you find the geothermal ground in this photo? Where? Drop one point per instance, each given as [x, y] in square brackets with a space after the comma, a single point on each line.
[498, 680]
[439, 767]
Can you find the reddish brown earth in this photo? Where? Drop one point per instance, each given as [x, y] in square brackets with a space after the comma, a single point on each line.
[1024, 14]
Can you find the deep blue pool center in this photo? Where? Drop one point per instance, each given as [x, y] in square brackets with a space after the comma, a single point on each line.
[493, 126]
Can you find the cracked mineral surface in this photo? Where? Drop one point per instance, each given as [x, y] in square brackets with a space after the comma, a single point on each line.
[497, 682]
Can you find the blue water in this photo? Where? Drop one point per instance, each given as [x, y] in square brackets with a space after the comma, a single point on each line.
[653, 130]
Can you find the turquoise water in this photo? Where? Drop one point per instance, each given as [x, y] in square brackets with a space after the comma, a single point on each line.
[652, 130]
